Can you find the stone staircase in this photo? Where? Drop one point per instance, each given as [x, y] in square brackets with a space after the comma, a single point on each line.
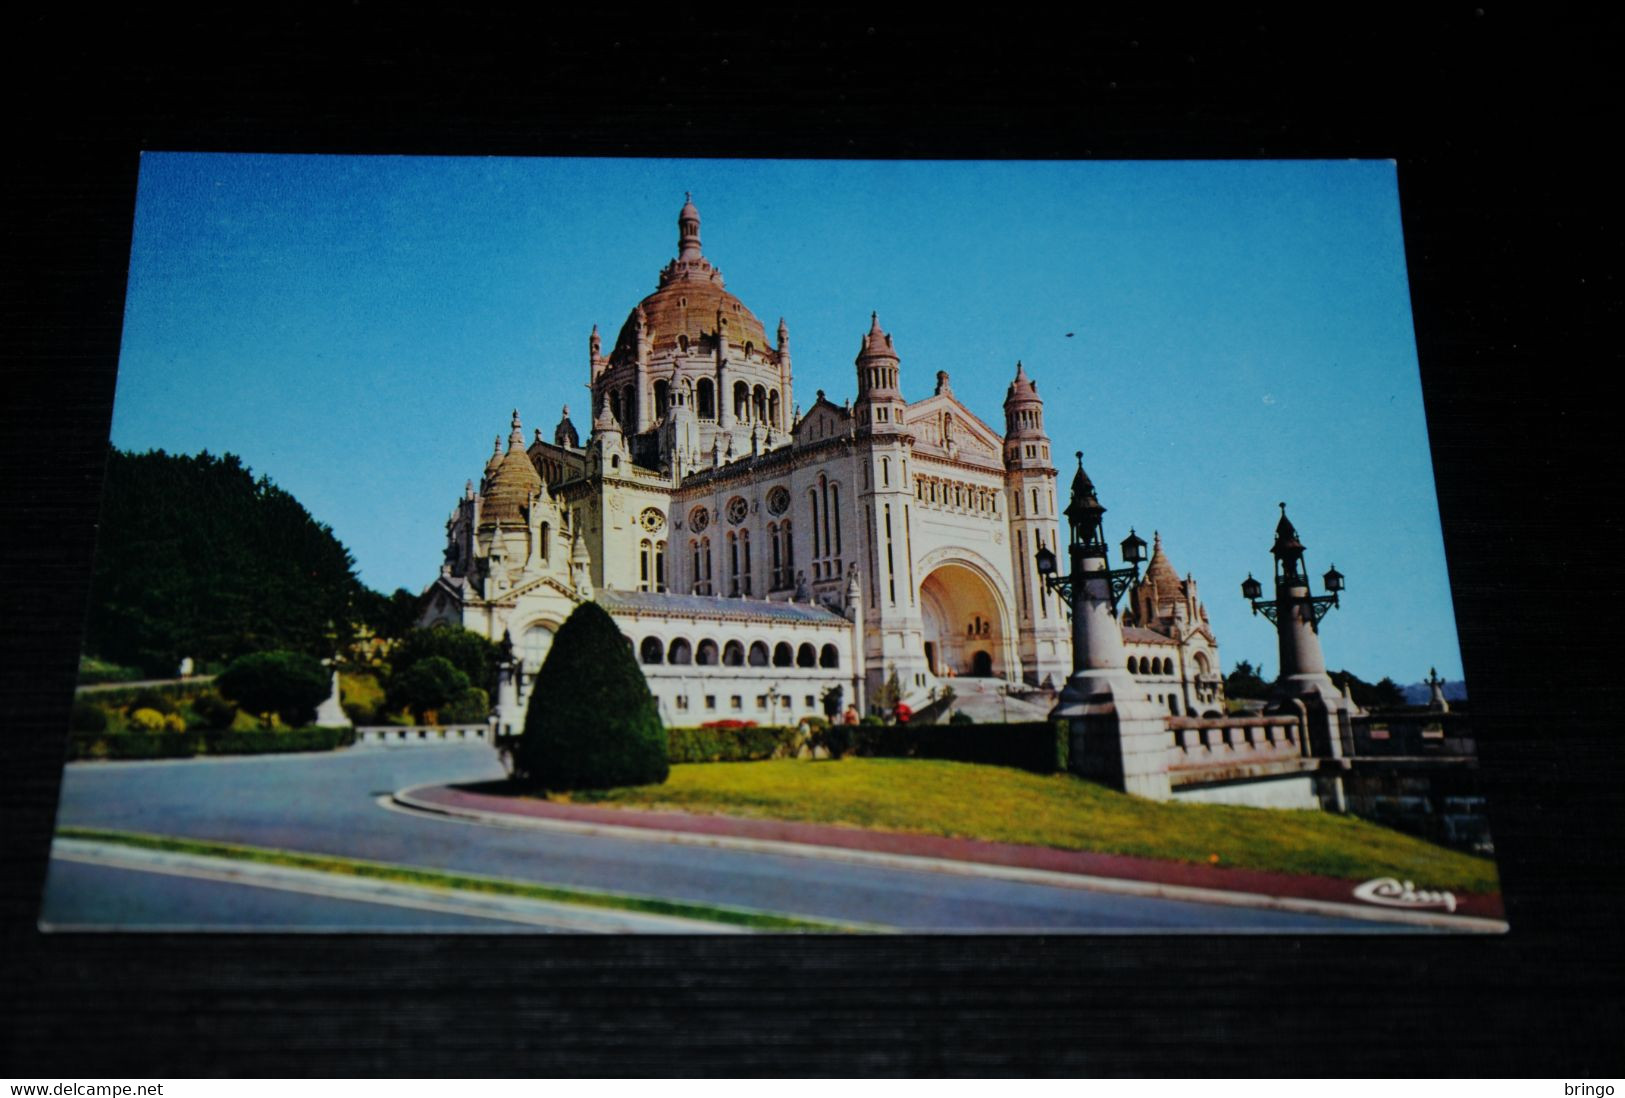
[985, 701]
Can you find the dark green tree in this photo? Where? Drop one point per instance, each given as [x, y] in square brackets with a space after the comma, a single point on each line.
[464, 649]
[592, 722]
[289, 684]
[1383, 694]
[1246, 682]
[389, 616]
[429, 684]
[831, 700]
[197, 558]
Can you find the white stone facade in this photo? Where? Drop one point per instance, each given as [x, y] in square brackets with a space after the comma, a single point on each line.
[893, 538]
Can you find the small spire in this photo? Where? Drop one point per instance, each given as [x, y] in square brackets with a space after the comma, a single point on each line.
[688, 226]
[516, 440]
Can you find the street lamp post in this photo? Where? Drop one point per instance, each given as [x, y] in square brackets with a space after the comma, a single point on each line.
[1092, 579]
[1296, 614]
[1118, 735]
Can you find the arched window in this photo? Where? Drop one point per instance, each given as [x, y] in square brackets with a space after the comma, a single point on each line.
[662, 398]
[806, 656]
[758, 405]
[758, 654]
[680, 652]
[660, 566]
[706, 654]
[828, 656]
[773, 408]
[706, 399]
[682, 343]
[545, 541]
[741, 401]
[645, 564]
[538, 640]
[651, 650]
[733, 654]
[1132, 664]
[783, 655]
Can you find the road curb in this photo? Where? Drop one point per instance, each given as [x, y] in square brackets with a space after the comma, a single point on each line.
[413, 799]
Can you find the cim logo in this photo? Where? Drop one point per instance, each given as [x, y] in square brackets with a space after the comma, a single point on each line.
[1391, 893]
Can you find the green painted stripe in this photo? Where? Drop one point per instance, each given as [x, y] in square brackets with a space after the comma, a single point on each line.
[463, 882]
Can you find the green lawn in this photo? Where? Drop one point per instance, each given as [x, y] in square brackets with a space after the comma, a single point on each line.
[992, 802]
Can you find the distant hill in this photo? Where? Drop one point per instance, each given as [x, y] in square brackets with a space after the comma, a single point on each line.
[1418, 693]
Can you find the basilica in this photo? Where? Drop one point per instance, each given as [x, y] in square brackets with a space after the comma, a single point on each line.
[761, 559]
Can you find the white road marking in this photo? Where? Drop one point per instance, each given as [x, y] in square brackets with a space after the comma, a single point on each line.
[510, 909]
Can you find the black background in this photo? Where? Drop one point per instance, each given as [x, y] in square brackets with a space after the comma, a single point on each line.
[1502, 127]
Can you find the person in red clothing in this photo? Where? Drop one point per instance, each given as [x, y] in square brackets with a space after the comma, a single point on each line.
[850, 716]
[902, 713]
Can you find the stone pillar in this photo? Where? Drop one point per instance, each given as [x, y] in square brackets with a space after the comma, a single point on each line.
[854, 612]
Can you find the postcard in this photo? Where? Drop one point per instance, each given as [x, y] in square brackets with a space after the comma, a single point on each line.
[996, 547]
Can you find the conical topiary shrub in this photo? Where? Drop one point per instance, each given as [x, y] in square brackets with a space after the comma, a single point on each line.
[592, 722]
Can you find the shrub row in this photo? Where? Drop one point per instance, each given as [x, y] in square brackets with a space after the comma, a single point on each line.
[122, 696]
[1042, 747]
[699, 745]
[173, 745]
[92, 672]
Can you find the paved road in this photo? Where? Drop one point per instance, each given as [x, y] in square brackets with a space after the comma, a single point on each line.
[327, 803]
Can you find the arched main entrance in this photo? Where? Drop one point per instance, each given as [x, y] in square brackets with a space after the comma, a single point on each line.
[964, 630]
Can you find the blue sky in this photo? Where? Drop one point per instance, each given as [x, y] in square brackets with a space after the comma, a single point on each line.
[359, 328]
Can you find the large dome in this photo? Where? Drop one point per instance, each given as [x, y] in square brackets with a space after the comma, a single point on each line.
[688, 308]
[685, 307]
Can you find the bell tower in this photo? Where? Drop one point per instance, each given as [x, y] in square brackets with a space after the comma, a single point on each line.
[1029, 480]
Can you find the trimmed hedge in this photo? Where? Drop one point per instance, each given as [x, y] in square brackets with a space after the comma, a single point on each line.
[173, 745]
[1042, 747]
[118, 698]
[596, 725]
[705, 745]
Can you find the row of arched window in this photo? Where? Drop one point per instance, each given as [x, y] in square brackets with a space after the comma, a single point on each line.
[652, 650]
[750, 404]
[937, 492]
[1157, 666]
